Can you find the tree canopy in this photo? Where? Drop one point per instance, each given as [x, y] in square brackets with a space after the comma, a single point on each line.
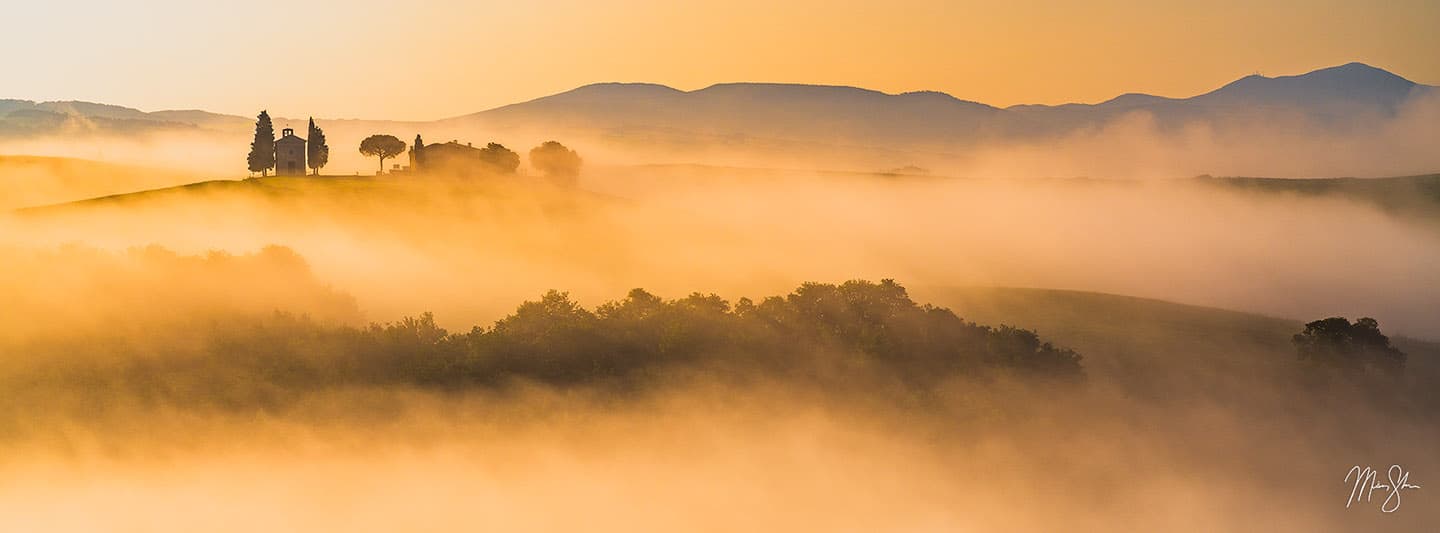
[418, 149]
[317, 153]
[555, 161]
[499, 158]
[262, 149]
[857, 333]
[556, 340]
[382, 146]
[1359, 347]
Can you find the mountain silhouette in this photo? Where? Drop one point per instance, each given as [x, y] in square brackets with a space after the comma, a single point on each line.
[1355, 83]
[764, 110]
[22, 118]
[1343, 97]
[1347, 97]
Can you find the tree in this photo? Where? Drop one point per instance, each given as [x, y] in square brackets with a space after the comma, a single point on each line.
[382, 146]
[500, 158]
[317, 153]
[418, 150]
[262, 149]
[1358, 347]
[555, 161]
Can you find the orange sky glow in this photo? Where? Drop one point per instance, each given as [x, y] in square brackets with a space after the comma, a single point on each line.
[435, 59]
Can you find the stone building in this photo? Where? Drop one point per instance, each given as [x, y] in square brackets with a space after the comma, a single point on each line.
[451, 158]
[290, 154]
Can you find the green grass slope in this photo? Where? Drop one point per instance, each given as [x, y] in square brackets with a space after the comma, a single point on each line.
[1153, 345]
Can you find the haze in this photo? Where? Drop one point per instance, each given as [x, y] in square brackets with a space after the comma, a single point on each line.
[509, 299]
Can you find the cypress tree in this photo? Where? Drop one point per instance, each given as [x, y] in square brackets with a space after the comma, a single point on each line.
[418, 149]
[317, 153]
[262, 149]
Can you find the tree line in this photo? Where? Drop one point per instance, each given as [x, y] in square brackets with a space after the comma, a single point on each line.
[848, 336]
[550, 158]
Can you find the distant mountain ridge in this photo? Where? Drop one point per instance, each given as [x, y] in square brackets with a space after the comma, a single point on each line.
[21, 118]
[1346, 96]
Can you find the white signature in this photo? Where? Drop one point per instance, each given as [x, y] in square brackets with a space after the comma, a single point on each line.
[1366, 484]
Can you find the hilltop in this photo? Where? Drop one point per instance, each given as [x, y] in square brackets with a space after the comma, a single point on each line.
[1405, 196]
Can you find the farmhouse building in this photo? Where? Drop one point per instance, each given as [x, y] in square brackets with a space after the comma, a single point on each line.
[451, 157]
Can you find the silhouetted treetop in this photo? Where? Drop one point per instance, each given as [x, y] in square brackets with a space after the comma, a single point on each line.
[556, 339]
[382, 146]
[417, 153]
[499, 158]
[262, 149]
[857, 331]
[317, 153]
[1335, 342]
[555, 161]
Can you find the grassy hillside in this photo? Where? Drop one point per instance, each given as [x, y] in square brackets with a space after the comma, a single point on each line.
[1400, 194]
[269, 185]
[91, 182]
[1137, 340]
[394, 191]
[35, 180]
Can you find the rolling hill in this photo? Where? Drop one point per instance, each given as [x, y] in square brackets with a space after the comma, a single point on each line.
[1401, 195]
[56, 183]
[1136, 341]
[1352, 119]
[1348, 96]
[1133, 340]
[1345, 97]
[34, 180]
[1337, 97]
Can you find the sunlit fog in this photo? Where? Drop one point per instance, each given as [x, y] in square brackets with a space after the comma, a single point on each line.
[727, 306]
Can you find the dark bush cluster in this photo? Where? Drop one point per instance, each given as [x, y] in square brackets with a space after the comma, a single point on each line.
[817, 328]
[854, 331]
[1359, 347]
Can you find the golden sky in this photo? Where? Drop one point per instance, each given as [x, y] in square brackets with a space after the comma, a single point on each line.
[440, 58]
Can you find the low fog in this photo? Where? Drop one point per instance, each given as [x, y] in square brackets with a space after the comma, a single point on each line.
[468, 250]
[1131, 144]
[1135, 145]
[176, 360]
[716, 460]
[172, 422]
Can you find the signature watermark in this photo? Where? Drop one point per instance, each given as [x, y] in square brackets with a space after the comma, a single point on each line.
[1366, 482]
